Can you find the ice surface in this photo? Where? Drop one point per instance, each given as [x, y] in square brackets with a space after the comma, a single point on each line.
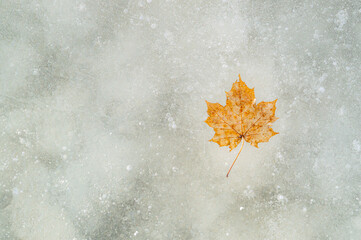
[102, 106]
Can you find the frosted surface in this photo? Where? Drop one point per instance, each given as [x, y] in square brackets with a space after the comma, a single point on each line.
[102, 106]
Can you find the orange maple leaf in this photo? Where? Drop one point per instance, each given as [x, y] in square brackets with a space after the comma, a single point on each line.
[241, 119]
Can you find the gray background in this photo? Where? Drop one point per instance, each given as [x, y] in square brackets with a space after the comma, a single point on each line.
[102, 106]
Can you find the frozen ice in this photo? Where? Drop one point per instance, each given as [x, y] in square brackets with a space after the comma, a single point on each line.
[341, 19]
[102, 119]
[356, 145]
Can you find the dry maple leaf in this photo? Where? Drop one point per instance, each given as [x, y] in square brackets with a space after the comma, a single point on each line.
[241, 119]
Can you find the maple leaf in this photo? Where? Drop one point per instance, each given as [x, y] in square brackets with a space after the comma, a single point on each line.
[241, 119]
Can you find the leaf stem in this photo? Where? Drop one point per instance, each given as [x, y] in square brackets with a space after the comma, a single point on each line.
[236, 157]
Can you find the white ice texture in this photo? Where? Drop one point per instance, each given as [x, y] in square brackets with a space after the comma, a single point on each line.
[102, 109]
